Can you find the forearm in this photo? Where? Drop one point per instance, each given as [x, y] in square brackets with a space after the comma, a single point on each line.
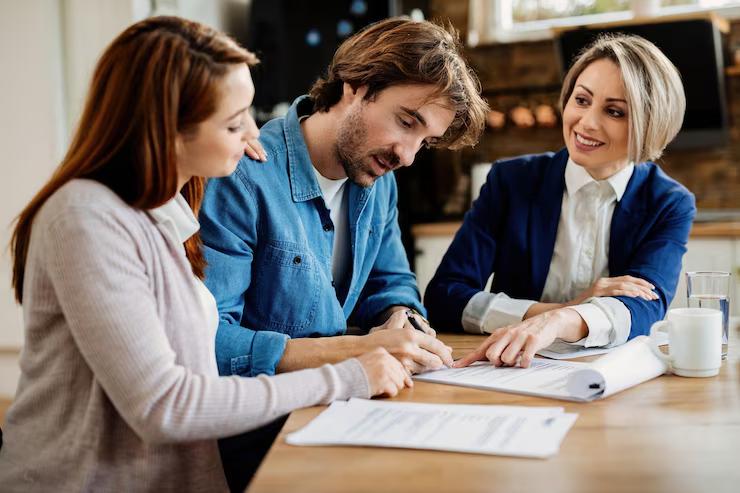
[572, 327]
[314, 352]
[238, 404]
[539, 308]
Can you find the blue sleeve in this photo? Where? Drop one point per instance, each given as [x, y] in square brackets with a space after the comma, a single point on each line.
[468, 263]
[390, 281]
[658, 260]
[229, 218]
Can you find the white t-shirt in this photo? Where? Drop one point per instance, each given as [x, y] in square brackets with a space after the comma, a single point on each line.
[333, 192]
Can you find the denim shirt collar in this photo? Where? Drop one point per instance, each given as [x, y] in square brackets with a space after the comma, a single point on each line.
[303, 183]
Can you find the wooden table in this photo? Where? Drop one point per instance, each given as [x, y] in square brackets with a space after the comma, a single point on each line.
[670, 434]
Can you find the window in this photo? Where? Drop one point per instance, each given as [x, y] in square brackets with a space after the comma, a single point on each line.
[514, 20]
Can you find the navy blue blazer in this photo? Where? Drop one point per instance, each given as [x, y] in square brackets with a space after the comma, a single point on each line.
[511, 228]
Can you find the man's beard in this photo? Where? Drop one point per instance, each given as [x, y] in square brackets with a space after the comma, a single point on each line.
[349, 150]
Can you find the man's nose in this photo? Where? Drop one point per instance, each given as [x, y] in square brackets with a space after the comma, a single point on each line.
[406, 154]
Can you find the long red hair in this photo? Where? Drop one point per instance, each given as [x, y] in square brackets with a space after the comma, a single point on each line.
[156, 80]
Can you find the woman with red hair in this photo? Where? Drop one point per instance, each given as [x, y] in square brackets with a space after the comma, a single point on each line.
[119, 389]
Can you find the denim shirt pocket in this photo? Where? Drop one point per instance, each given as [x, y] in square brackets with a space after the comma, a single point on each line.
[286, 288]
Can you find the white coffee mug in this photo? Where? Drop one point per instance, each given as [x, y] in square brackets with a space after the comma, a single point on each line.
[694, 341]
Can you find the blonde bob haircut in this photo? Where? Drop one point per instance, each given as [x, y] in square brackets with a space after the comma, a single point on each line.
[655, 98]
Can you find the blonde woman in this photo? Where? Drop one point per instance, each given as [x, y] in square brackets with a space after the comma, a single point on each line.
[119, 387]
[585, 244]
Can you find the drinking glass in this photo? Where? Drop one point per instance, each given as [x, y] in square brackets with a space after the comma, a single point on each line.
[711, 289]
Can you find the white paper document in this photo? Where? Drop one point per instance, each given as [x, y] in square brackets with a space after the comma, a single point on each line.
[482, 429]
[563, 350]
[626, 366]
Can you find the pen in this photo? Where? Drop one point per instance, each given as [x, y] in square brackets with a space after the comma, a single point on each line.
[413, 321]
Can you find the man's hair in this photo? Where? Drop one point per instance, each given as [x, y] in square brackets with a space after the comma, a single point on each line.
[655, 96]
[402, 51]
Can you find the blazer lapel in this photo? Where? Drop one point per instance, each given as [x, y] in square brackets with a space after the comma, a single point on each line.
[543, 225]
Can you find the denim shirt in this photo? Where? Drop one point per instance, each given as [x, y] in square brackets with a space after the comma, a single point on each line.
[268, 241]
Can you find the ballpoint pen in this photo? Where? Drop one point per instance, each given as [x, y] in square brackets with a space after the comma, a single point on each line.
[412, 319]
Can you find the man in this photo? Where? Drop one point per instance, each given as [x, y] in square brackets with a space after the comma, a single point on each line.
[308, 241]
[301, 245]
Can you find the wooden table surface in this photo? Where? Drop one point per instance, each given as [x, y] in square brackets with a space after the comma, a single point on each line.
[670, 434]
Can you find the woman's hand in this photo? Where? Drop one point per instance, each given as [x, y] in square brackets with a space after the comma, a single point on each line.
[634, 287]
[386, 374]
[518, 343]
[253, 148]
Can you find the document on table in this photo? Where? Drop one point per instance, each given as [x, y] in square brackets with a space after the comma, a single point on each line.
[628, 365]
[481, 429]
[563, 350]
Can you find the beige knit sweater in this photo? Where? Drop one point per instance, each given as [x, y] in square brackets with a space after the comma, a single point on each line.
[119, 389]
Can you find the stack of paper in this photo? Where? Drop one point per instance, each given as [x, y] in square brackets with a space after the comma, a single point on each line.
[563, 350]
[624, 367]
[497, 430]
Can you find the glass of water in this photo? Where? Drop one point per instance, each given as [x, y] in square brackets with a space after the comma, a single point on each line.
[711, 289]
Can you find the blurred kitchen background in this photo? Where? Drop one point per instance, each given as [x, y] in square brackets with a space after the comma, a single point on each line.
[519, 48]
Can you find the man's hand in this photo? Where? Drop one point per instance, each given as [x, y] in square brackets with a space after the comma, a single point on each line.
[416, 350]
[423, 322]
[253, 148]
[634, 287]
[518, 343]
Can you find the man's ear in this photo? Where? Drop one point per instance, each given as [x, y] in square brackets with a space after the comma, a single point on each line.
[350, 94]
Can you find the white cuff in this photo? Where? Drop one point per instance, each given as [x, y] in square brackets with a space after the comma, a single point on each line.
[598, 325]
[608, 320]
[488, 311]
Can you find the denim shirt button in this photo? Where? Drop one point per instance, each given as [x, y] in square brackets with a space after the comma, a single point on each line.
[328, 227]
[297, 260]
